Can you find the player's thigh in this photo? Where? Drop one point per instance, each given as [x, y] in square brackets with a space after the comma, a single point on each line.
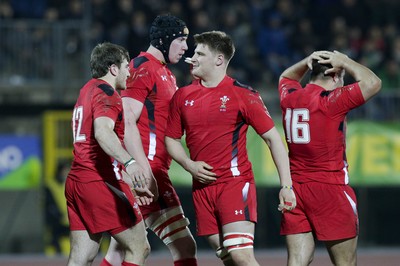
[169, 224]
[343, 252]
[238, 236]
[239, 226]
[162, 216]
[238, 233]
[214, 240]
[234, 229]
[300, 242]
[238, 241]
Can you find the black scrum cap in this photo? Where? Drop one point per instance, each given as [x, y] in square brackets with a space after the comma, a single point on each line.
[165, 29]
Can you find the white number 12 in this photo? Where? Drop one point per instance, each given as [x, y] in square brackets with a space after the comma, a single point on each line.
[297, 128]
[77, 117]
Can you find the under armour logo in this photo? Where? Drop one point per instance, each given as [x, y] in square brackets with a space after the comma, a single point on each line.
[189, 103]
[164, 78]
[237, 212]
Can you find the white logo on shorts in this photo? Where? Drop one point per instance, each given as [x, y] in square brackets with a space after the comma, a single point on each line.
[237, 212]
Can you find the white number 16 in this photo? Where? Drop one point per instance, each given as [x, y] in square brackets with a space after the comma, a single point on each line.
[297, 128]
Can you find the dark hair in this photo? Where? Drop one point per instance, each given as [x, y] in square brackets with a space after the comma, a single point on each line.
[217, 41]
[104, 55]
[165, 29]
[318, 70]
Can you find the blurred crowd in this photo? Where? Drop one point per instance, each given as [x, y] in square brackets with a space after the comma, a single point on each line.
[269, 35]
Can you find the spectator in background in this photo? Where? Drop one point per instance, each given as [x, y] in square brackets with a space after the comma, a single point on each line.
[6, 10]
[390, 75]
[74, 9]
[356, 13]
[28, 8]
[314, 119]
[214, 112]
[234, 24]
[100, 163]
[273, 44]
[138, 37]
[146, 101]
[395, 50]
[304, 41]
[358, 19]
[371, 56]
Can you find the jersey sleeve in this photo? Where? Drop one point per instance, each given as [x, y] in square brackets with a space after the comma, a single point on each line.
[174, 127]
[139, 84]
[106, 105]
[255, 112]
[285, 85]
[343, 99]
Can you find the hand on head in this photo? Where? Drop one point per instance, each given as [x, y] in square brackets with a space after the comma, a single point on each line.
[336, 59]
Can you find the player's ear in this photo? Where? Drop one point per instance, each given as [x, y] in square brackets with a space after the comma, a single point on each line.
[219, 60]
[113, 70]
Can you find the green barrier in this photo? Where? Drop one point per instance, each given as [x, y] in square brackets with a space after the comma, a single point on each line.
[373, 153]
[26, 176]
[20, 162]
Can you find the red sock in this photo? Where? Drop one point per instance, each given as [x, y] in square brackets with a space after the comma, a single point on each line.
[124, 263]
[104, 262]
[186, 262]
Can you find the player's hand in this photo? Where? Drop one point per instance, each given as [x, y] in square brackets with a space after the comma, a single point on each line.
[201, 171]
[287, 199]
[336, 59]
[143, 195]
[317, 55]
[138, 175]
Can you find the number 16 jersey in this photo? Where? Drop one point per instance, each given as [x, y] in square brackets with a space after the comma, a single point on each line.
[314, 121]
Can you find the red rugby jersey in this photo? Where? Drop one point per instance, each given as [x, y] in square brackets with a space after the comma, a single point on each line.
[215, 121]
[96, 99]
[153, 84]
[314, 121]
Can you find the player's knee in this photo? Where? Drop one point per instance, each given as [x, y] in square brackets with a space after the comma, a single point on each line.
[300, 259]
[80, 260]
[78, 256]
[138, 251]
[222, 254]
[147, 249]
[184, 247]
[344, 260]
[310, 259]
